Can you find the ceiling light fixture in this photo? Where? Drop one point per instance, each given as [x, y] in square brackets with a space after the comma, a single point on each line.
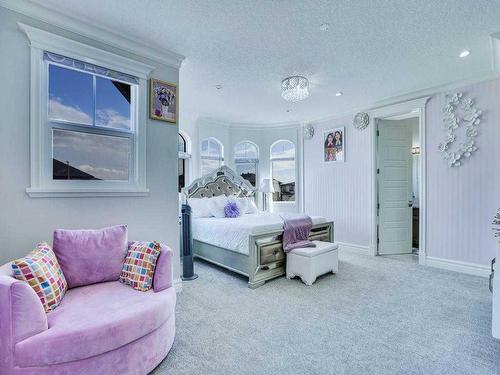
[218, 87]
[339, 93]
[464, 53]
[295, 88]
[288, 110]
[324, 27]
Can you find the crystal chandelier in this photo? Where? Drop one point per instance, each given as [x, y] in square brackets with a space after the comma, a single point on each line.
[295, 88]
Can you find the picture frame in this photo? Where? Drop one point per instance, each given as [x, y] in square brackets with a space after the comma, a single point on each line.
[334, 145]
[163, 101]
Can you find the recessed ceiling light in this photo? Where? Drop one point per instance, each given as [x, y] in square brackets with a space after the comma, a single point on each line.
[339, 93]
[464, 53]
[218, 87]
[324, 27]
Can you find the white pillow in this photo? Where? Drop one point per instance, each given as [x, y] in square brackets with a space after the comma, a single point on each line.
[199, 207]
[247, 205]
[251, 206]
[242, 204]
[216, 205]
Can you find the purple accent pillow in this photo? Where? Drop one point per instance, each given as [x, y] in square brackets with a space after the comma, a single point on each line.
[91, 256]
[231, 209]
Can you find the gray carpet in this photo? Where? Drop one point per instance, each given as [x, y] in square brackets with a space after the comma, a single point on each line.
[378, 315]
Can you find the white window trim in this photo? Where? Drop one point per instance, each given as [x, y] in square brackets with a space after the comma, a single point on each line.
[271, 159]
[186, 155]
[40, 185]
[247, 161]
[220, 159]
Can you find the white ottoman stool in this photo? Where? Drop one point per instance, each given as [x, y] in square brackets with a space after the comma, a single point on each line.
[310, 262]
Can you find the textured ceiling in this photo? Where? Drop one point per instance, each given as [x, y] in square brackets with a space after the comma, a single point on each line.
[373, 50]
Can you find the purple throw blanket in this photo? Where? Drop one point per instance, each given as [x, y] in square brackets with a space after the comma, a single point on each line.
[296, 233]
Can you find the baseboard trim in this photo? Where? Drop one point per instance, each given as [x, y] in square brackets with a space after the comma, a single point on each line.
[458, 266]
[350, 246]
[178, 285]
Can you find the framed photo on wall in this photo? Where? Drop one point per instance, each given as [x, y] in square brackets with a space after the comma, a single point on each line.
[163, 101]
[334, 145]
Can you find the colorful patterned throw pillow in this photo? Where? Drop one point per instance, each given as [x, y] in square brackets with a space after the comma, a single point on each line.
[140, 263]
[41, 270]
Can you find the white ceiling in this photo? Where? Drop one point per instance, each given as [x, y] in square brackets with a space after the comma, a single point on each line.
[373, 50]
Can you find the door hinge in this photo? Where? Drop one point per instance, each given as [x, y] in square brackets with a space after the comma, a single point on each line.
[378, 133]
[378, 170]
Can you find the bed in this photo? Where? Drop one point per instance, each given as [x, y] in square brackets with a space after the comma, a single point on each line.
[250, 244]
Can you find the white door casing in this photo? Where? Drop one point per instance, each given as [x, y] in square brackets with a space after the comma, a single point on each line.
[394, 188]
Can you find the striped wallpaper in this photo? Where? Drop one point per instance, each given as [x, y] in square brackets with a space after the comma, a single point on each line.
[460, 201]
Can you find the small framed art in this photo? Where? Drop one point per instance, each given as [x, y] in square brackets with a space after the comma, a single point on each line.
[163, 101]
[334, 145]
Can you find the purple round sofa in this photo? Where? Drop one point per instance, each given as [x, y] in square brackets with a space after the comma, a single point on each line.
[102, 328]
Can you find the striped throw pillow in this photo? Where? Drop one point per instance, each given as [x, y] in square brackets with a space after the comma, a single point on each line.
[42, 272]
[139, 266]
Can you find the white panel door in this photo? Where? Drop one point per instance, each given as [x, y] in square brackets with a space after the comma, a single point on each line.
[394, 188]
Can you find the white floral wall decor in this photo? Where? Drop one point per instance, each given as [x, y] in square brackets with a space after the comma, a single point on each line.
[361, 120]
[308, 131]
[461, 121]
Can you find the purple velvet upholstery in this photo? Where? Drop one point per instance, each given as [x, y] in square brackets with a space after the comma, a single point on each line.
[104, 328]
[91, 256]
[162, 278]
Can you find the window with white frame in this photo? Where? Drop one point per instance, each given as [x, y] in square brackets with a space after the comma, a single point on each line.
[183, 149]
[283, 171]
[246, 161]
[88, 117]
[211, 155]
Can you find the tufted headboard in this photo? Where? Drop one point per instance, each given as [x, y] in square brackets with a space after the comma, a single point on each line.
[222, 181]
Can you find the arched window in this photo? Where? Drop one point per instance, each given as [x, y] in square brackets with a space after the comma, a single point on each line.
[181, 144]
[211, 155]
[183, 149]
[246, 161]
[283, 171]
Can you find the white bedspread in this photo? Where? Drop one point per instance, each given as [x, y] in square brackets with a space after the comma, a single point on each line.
[232, 233]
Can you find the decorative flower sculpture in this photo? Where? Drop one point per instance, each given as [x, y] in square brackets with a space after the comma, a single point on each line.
[496, 225]
[454, 159]
[231, 210]
[459, 112]
[468, 148]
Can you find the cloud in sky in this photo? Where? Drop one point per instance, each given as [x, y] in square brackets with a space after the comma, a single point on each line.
[284, 171]
[60, 111]
[110, 118]
[105, 157]
[104, 173]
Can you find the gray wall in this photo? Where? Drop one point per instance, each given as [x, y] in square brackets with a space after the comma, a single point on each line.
[461, 202]
[340, 191]
[25, 220]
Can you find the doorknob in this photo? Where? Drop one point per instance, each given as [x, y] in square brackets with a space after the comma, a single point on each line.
[410, 203]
